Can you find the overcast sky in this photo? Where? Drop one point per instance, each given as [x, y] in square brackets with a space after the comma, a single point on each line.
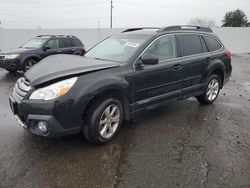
[126, 13]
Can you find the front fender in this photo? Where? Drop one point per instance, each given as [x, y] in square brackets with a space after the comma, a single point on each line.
[90, 86]
[90, 90]
[30, 56]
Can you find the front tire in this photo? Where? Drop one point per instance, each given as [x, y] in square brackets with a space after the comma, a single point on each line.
[103, 120]
[28, 64]
[212, 90]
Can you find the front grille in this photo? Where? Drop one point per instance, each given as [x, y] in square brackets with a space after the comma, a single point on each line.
[2, 56]
[21, 89]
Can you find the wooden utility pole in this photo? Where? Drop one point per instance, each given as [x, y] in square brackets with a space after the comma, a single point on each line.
[111, 13]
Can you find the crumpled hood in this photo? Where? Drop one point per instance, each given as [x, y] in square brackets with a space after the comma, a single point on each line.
[57, 66]
[15, 51]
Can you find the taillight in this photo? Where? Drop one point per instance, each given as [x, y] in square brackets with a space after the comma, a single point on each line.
[83, 50]
[229, 54]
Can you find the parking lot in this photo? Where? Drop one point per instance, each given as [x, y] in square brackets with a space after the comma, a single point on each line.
[183, 144]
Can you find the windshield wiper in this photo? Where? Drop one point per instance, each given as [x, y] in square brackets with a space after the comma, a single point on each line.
[99, 58]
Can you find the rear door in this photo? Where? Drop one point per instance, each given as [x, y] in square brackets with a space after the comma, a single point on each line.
[154, 84]
[66, 46]
[195, 62]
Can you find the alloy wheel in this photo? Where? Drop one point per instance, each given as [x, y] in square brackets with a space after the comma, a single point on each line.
[109, 121]
[29, 64]
[213, 89]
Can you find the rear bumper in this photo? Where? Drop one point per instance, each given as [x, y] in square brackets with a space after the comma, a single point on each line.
[227, 76]
[226, 79]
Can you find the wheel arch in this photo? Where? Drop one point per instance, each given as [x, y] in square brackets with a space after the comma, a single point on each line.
[33, 56]
[218, 69]
[219, 73]
[112, 91]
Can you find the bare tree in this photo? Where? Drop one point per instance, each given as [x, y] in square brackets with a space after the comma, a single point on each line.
[202, 22]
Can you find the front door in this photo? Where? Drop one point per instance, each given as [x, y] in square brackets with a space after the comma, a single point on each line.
[52, 47]
[158, 83]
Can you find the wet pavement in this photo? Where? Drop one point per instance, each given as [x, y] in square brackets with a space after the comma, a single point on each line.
[183, 144]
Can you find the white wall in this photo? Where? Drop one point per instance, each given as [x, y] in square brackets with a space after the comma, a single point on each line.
[235, 39]
[12, 38]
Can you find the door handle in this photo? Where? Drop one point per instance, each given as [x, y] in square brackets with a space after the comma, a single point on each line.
[176, 67]
[59, 51]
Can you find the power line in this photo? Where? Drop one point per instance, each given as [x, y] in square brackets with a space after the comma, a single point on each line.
[169, 6]
[49, 21]
[49, 5]
[11, 11]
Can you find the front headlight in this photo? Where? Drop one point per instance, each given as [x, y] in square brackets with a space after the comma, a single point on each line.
[55, 90]
[11, 56]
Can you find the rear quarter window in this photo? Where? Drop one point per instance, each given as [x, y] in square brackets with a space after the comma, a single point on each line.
[203, 44]
[76, 42]
[212, 43]
[190, 44]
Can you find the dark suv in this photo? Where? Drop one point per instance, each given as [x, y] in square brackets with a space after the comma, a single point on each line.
[141, 68]
[38, 48]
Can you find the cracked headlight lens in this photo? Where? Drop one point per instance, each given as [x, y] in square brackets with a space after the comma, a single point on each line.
[55, 90]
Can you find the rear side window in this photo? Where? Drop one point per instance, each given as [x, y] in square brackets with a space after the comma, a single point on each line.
[76, 42]
[65, 43]
[212, 43]
[190, 44]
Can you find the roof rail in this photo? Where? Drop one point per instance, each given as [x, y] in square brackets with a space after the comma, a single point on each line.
[139, 28]
[56, 36]
[186, 27]
[44, 36]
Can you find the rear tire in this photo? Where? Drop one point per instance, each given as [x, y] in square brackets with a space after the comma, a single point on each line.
[211, 91]
[28, 64]
[103, 120]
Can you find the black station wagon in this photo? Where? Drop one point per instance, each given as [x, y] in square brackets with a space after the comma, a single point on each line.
[141, 68]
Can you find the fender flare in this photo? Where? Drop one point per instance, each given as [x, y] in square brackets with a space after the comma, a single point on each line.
[102, 87]
[216, 66]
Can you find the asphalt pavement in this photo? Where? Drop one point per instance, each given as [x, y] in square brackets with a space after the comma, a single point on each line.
[184, 144]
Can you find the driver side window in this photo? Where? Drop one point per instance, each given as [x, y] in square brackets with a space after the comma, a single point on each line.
[163, 48]
[52, 44]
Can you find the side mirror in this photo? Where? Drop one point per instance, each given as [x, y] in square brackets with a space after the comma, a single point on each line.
[149, 59]
[45, 48]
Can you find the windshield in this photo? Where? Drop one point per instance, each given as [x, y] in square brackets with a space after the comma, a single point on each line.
[117, 48]
[34, 43]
